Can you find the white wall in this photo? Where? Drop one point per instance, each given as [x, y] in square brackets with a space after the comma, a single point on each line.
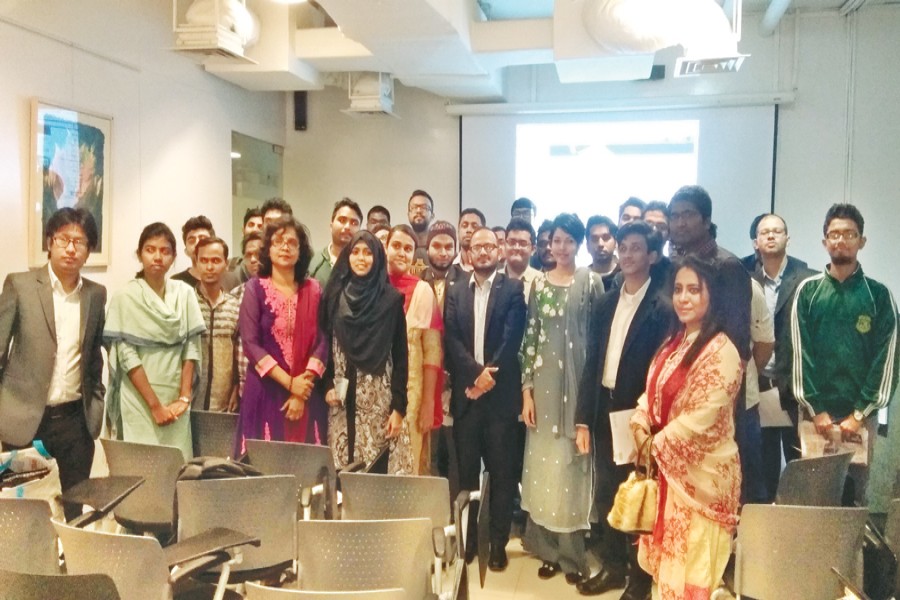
[172, 122]
[377, 160]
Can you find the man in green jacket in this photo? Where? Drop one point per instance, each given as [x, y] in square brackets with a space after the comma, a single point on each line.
[844, 335]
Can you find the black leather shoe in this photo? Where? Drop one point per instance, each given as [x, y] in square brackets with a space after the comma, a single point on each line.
[548, 570]
[638, 590]
[498, 561]
[574, 578]
[602, 582]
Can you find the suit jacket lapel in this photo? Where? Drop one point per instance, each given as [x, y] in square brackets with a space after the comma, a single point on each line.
[45, 293]
[787, 285]
[492, 299]
[86, 298]
[637, 320]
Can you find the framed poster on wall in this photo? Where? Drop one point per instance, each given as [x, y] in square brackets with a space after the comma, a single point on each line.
[70, 167]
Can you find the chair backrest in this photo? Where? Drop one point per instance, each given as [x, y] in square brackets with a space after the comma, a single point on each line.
[303, 461]
[367, 496]
[27, 538]
[306, 462]
[30, 586]
[365, 555]
[788, 551]
[263, 507]
[213, 433]
[136, 564]
[148, 508]
[261, 592]
[814, 481]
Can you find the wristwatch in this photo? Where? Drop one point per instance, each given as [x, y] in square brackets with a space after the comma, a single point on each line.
[185, 399]
[858, 415]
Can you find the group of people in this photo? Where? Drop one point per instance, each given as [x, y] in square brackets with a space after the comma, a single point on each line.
[452, 347]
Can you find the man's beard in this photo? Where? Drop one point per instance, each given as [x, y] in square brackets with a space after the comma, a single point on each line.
[419, 227]
[841, 261]
[484, 271]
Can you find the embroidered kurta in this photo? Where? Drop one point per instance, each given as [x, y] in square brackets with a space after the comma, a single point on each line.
[270, 324]
[556, 480]
[698, 459]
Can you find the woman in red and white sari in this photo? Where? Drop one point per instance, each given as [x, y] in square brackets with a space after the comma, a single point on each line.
[688, 408]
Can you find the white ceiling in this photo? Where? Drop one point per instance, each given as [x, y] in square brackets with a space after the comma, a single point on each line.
[458, 49]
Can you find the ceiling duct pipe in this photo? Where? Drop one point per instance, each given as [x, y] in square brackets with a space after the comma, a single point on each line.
[772, 17]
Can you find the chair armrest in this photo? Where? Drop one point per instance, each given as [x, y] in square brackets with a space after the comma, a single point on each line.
[211, 541]
[102, 494]
[353, 467]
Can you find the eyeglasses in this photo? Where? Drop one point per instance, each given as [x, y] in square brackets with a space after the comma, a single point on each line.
[422, 208]
[289, 243]
[522, 244]
[847, 234]
[63, 242]
[479, 248]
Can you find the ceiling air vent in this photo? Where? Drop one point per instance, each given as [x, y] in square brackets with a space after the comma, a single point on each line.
[689, 67]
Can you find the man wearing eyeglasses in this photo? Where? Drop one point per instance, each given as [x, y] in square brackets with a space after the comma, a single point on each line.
[51, 326]
[779, 274]
[484, 323]
[844, 334]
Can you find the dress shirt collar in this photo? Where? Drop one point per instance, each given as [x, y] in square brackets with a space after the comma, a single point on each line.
[57, 285]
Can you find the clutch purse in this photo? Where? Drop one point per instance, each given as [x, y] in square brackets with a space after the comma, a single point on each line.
[634, 507]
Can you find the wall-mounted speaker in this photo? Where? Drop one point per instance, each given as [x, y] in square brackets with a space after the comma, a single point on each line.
[300, 111]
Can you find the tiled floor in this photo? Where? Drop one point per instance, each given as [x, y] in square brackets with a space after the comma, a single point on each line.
[520, 581]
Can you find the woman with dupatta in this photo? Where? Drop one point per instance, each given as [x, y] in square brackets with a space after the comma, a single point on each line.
[367, 374]
[556, 479]
[687, 417]
[424, 326]
[153, 329]
[282, 341]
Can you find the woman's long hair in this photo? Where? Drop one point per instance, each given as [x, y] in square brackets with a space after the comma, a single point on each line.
[305, 251]
[711, 324]
[153, 230]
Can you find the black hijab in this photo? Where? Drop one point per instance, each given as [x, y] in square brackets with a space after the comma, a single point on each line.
[362, 311]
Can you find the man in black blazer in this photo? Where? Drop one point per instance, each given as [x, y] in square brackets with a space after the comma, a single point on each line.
[484, 325]
[779, 274]
[627, 327]
[51, 327]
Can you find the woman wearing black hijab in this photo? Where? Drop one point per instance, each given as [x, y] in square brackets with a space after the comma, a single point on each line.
[366, 379]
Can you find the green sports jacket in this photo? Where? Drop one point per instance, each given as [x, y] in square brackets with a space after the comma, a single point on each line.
[844, 337]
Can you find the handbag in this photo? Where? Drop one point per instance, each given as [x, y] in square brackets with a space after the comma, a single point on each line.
[635, 505]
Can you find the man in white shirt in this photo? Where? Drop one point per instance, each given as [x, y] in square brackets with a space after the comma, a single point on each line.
[627, 327]
[484, 323]
[51, 328]
[520, 240]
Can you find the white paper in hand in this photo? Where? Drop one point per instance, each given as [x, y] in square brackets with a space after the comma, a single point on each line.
[770, 412]
[624, 451]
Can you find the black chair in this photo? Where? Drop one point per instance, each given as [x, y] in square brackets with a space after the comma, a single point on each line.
[213, 433]
[31, 586]
[814, 481]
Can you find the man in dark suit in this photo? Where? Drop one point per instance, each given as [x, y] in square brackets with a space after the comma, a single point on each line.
[779, 274]
[51, 326]
[484, 325]
[627, 327]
